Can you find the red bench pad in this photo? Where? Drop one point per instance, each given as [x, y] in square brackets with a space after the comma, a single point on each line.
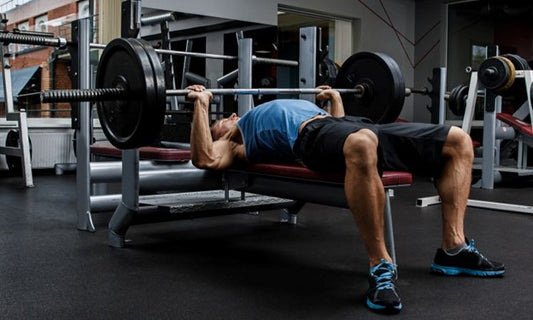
[152, 153]
[390, 178]
[521, 126]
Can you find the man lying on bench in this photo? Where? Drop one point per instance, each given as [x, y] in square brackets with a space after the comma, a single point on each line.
[297, 130]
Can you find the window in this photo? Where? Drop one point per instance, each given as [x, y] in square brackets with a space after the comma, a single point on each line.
[35, 68]
[41, 23]
[83, 9]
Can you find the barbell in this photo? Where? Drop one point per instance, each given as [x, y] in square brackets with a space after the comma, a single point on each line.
[131, 92]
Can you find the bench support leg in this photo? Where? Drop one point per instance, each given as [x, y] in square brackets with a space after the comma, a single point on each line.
[389, 231]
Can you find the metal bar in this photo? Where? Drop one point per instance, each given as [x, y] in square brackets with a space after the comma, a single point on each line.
[155, 19]
[108, 94]
[389, 229]
[10, 37]
[245, 103]
[307, 69]
[283, 62]
[83, 134]
[265, 91]
[196, 54]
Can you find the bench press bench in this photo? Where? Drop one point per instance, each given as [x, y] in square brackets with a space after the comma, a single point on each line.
[286, 181]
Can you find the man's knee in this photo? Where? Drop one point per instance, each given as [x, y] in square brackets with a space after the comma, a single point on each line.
[458, 144]
[360, 149]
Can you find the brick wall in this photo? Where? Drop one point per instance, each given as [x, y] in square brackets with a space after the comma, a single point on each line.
[41, 56]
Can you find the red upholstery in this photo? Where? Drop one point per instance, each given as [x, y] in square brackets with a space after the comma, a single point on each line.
[152, 153]
[521, 126]
[390, 178]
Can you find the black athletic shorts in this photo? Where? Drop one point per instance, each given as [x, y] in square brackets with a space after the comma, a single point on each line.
[412, 147]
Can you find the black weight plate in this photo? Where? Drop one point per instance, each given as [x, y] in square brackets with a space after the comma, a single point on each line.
[517, 89]
[460, 99]
[494, 73]
[518, 62]
[327, 72]
[157, 113]
[452, 101]
[14, 163]
[124, 63]
[383, 100]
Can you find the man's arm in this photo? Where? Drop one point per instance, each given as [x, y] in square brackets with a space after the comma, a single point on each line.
[206, 153]
[337, 108]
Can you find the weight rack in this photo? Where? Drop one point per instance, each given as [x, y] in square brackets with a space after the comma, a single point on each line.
[492, 132]
[23, 150]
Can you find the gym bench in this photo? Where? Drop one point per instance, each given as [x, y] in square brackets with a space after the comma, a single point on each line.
[281, 181]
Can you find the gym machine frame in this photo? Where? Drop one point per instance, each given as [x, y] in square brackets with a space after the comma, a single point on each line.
[23, 150]
[491, 133]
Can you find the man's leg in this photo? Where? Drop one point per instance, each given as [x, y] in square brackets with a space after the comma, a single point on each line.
[365, 193]
[365, 196]
[455, 256]
[454, 186]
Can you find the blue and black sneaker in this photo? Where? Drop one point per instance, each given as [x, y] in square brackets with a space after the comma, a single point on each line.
[468, 261]
[382, 295]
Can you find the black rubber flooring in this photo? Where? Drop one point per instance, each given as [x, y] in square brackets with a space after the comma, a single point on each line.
[248, 266]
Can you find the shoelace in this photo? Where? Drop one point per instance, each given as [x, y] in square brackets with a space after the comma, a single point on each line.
[471, 248]
[384, 280]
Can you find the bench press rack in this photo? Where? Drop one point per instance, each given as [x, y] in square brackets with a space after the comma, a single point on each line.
[302, 184]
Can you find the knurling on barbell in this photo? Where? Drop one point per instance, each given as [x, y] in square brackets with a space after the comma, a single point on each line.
[131, 94]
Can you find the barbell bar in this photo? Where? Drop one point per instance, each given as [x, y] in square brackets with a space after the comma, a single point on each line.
[22, 37]
[109, 94]
[131, 92]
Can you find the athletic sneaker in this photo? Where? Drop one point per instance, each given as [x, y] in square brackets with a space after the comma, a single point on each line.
[382, 295]
[468, 261]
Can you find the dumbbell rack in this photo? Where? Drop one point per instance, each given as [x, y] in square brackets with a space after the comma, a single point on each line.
[23, 150]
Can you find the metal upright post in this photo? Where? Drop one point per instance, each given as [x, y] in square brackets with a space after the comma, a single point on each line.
[245, 102]
[308, 60]
[490, 147]
[442, 101]
[129, 205]
[83, 178]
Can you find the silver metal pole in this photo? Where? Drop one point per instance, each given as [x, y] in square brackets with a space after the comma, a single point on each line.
[155, 19]
[245, 103]
[83, 138]
[308, 59]
[263, 91]
[255, 59]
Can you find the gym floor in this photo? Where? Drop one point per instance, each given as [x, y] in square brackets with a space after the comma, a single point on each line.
[248, 266]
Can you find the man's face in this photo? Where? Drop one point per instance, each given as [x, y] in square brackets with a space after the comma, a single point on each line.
[224, 126]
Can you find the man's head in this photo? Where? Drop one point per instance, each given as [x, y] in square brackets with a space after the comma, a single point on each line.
[223, 126]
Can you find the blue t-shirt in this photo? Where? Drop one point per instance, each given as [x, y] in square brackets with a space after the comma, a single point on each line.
[270, 130]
